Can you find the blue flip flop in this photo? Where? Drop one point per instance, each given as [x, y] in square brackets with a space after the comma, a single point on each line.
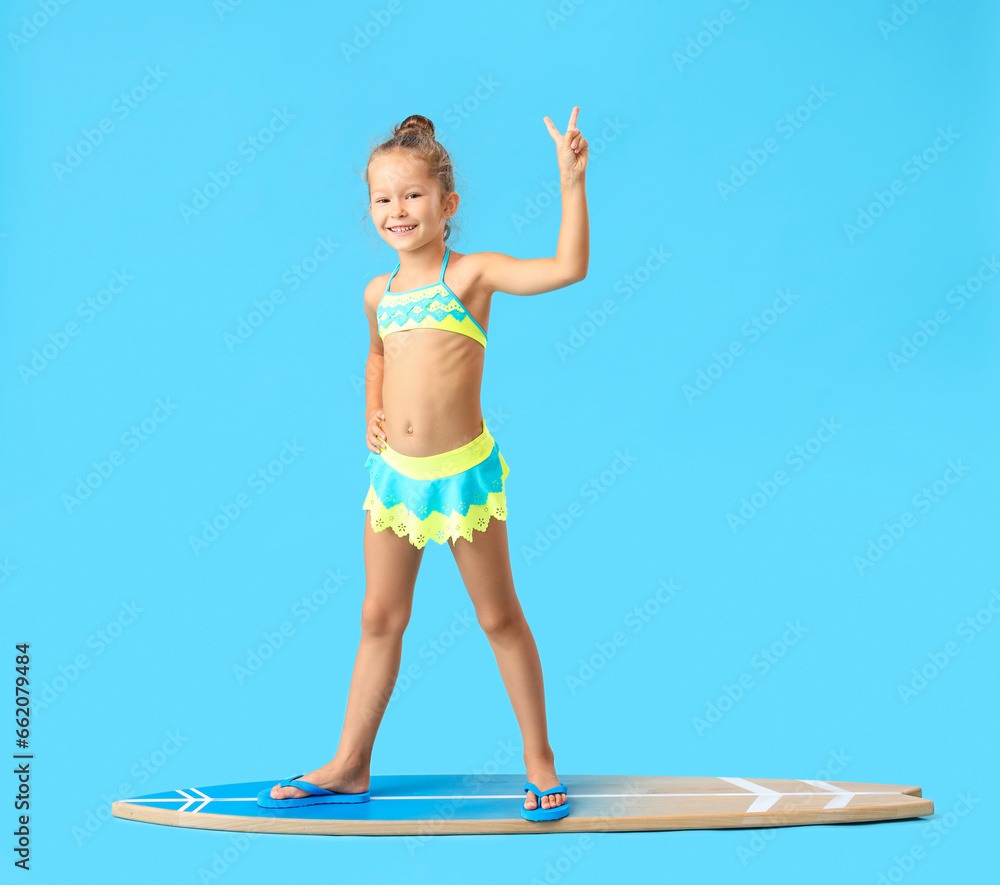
[317, 795]
[540, 813]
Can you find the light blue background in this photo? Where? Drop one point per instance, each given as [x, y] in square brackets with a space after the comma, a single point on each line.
[662, 136]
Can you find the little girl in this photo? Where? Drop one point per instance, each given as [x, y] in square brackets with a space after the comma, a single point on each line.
[436, 472]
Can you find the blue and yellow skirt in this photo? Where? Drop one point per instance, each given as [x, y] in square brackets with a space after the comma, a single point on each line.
[437, 497]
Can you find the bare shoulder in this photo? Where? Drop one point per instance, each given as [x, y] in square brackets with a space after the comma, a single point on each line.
[478, 269]
[468, 266]
[374, 290]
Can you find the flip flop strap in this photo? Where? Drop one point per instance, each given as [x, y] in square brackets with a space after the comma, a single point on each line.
[539, 793]
[311, 789]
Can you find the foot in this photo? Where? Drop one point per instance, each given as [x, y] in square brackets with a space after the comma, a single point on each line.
[543, 776]
[333, 777]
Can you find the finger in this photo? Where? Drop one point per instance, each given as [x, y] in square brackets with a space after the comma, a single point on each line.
[552, 129]
[572, 116]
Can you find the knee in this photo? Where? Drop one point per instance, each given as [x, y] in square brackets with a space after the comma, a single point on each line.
[378, 619]
[498, 622]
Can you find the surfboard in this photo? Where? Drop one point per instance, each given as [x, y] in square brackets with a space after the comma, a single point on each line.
[448, 804]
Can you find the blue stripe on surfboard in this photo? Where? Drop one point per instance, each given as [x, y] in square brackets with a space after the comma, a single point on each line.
[443, 797]
[394, 797]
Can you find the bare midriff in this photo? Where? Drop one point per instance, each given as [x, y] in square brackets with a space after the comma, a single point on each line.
[430, 390]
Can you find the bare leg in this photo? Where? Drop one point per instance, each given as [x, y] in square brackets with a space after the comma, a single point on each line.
[391, 565]
[484, 564]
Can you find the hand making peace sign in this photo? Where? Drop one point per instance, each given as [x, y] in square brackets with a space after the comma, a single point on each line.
[572, 147]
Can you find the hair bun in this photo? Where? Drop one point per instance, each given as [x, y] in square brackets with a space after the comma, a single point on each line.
[417, 124]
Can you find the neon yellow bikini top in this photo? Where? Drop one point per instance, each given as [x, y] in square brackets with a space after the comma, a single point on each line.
[429, 307]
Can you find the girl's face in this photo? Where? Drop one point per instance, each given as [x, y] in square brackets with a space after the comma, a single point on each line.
[406, 204]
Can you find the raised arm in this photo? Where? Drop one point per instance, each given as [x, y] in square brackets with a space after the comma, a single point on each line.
[532, 276]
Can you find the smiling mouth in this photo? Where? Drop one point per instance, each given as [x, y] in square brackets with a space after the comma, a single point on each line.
[402, 229]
